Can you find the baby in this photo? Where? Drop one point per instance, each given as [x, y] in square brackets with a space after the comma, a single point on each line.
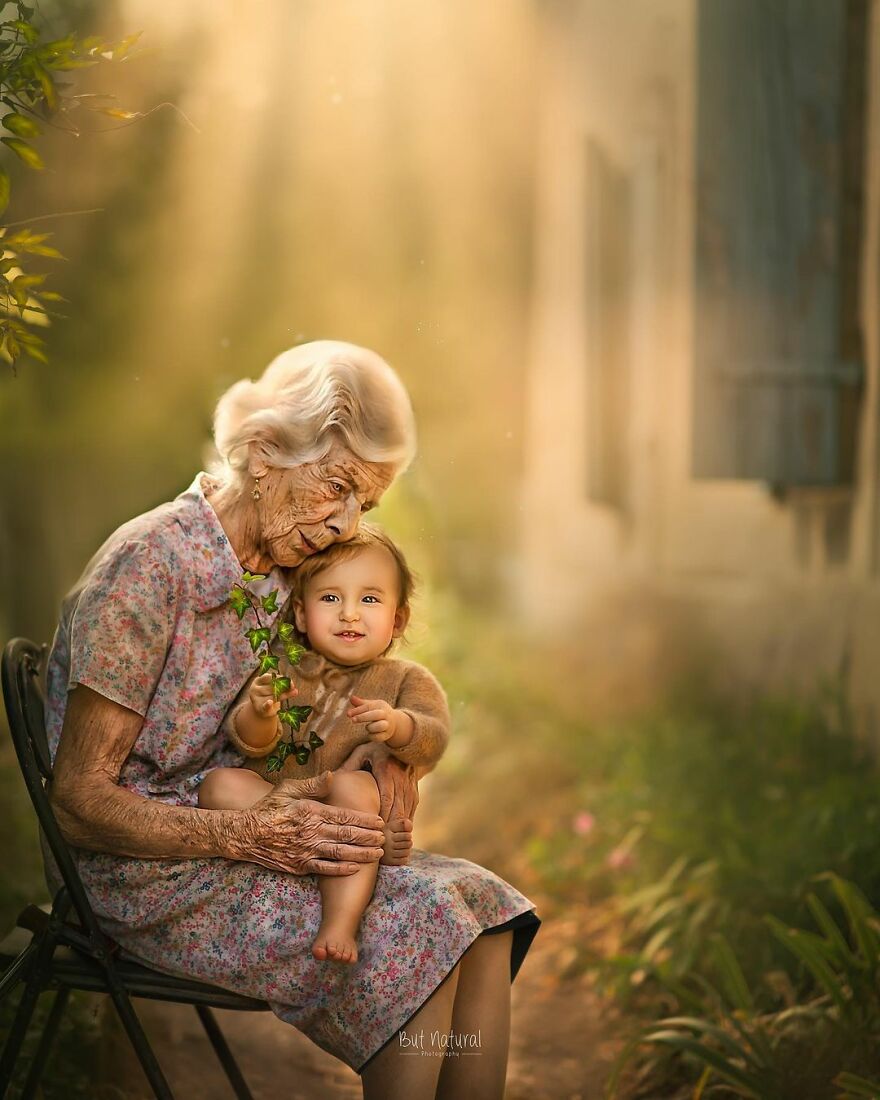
[349, 604]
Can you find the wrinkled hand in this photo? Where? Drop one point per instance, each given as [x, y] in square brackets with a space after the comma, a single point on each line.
[262, 698]
[289, 831]
[398, 789]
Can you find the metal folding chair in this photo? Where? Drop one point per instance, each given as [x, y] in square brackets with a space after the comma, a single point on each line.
[66, 949]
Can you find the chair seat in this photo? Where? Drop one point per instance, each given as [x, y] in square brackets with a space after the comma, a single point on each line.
[72, 970]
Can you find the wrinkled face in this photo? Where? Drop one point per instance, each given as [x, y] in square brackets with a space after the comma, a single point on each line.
[305, 508]
[349, 611]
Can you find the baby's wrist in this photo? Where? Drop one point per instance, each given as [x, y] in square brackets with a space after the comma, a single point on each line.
[253, 728]
[404, 727]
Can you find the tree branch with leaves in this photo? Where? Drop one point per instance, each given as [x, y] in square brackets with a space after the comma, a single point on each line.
[35, 94]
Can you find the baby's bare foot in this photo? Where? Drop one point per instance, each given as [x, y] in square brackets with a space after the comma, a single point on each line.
[335, 943]
[398, 842]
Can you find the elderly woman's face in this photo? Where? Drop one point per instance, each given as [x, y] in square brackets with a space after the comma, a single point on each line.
[303, 509]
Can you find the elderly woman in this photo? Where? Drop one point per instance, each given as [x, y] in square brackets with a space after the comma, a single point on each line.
[147, 658]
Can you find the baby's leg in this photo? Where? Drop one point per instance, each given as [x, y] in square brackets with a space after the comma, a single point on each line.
[345, 897]
[232, 789]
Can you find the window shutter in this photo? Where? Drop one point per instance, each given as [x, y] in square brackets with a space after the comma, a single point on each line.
[777, 368]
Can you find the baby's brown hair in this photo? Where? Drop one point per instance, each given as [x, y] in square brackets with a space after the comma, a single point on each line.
[368, 535]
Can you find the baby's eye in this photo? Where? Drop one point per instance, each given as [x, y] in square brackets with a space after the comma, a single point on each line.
[328, 597]
[371, 599]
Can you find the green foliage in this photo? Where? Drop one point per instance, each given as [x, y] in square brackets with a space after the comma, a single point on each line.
[34, 95]
[701, 819]
[242, 600]
[684, 828]
[799, 1051]
[295, 716]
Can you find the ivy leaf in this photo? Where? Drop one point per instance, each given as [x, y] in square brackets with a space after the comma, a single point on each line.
[20, 125]
[302, 754]
[270, 602]
[279, 685]
[256, 636]
[294, 716]
[273, 764]
[239, 602]
[21, 149]
[284, 750]
[268, 662]
[285, 631]
[247, 577]
[314, 740]
[294, 652]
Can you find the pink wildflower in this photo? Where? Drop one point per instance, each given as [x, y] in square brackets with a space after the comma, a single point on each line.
[583, 823]
[619, 859]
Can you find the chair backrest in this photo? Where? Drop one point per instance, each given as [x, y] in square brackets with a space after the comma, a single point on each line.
[21, 669]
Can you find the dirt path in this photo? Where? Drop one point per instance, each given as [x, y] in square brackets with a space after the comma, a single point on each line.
[558, 1051]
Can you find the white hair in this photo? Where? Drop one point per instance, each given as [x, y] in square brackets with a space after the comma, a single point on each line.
[307, 398]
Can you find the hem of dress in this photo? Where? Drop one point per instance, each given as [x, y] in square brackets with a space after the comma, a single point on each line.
[524, 927]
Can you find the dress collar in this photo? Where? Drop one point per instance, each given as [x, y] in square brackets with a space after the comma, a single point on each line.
[215, 567]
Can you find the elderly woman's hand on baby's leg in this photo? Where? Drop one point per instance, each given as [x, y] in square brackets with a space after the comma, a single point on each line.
[289, 830]
[399, 795]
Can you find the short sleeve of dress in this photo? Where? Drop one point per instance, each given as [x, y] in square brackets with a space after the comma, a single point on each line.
[122, 625]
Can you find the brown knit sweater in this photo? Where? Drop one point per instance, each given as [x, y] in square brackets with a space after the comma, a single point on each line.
[327, 687]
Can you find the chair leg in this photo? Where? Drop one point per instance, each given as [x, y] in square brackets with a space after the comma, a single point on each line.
[141, 1044]
[227, 1060]
[17, 1032]
[12, 975]
[41, 1057]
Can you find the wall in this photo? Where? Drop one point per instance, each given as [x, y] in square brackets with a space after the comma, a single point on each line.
[707, 579]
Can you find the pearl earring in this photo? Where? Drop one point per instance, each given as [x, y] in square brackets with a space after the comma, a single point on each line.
[255, 492]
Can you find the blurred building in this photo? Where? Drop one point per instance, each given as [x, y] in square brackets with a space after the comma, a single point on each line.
[701, 488]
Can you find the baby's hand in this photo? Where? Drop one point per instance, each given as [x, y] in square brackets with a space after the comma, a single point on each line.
[380, 717]
[262, 697]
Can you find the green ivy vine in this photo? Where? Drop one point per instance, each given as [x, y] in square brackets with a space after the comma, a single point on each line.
[242, 600]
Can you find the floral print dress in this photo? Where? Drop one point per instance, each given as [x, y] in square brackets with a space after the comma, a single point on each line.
[147, 626]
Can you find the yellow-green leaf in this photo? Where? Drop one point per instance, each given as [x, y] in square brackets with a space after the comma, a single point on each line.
[48, 86]
[20, 125]
[5, 189]
[19, 292]
[21, 149]
[30, 34]
[123, 47]
[37, 353]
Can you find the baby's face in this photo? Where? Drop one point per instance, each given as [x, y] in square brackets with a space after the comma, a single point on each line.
[349, 611]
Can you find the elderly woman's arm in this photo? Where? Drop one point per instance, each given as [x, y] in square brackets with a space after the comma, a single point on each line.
[286, 831]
